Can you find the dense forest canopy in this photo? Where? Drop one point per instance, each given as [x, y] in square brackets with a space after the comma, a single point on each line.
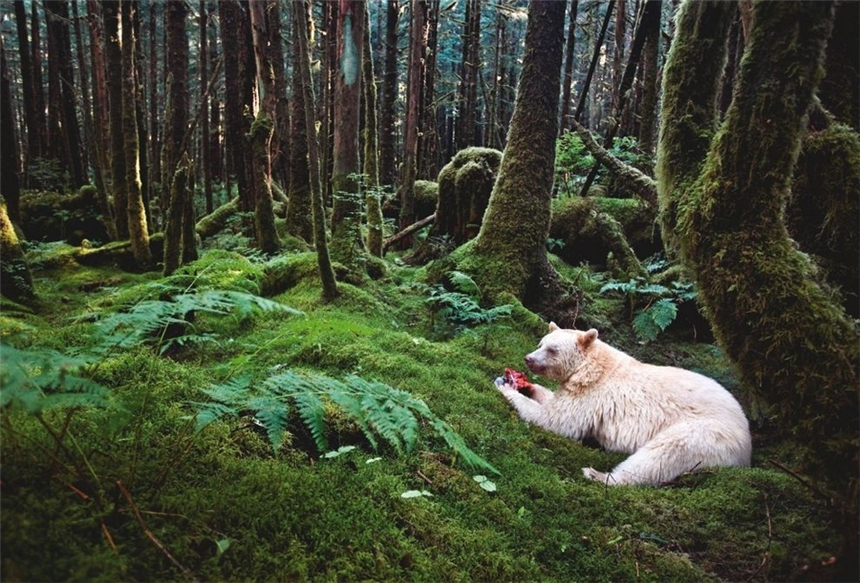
[255, 236]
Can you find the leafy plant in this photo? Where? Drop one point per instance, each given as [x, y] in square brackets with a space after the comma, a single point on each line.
[169, 320]
[460, 310]
[660, 303]
[38, 380]
[381, 411]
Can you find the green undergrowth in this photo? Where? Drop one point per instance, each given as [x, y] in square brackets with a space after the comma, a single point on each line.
[127, 483]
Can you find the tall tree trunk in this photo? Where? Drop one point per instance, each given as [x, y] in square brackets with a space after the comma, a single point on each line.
[618, 52]
[263, 129]
[113, 54]
[467, 98]
[88, 138]
[512, 250]
[598, 44]
[329, 284]
[428, 139]
[723, 200]
[417, 42]
[300, 208]
[58, 29]
[281, 144]
[10, 183]
[177, 109]
[567, 84]
[387, 126]
[34, 143]
[156, 111]
[137, 226]
[327, 94]
[38, 86]
[650, 86]
[100, 115]
[205, 152]
[372, 194]
[16, 282]
[232, 17]
[347, 244]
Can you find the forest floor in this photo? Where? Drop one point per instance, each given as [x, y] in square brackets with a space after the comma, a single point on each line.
[106, 477]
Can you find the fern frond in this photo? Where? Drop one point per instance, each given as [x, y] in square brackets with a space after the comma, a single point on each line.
[463, 283]
[310, 408]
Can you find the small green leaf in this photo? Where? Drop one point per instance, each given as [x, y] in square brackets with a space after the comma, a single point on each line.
[340, 451]
[415, 494]
[221, 546]
[485, 483]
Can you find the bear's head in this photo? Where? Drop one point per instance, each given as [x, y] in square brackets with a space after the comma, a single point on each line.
[560, 352]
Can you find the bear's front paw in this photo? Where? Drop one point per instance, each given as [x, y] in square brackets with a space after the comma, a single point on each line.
[503, 385]
[593, 474]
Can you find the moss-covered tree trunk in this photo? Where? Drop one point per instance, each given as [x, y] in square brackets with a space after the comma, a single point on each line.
[372, 195]
[299, 210]
[796, 349]
[113, 53]
[16, 283]
[329, 283]
[138, 230]
[512, 239]
[347, 244]
[263, 130]
[173, 218]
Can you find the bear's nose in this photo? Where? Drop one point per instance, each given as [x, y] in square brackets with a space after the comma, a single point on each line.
[529, 360]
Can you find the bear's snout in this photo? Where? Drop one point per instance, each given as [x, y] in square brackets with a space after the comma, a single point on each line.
[533, 363]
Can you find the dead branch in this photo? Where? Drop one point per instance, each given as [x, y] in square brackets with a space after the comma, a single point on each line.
[407, 231]
[149, 534]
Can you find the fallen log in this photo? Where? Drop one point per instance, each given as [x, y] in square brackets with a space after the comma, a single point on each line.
[407, 231]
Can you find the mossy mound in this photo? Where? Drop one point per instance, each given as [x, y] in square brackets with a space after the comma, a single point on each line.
[105, 482]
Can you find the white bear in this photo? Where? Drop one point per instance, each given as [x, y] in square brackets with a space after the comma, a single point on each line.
[671, 420]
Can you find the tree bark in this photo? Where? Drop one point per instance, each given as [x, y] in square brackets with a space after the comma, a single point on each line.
[567, 84]
[16, 283]
[113, 54]
[137, 227]
[300, 207]
[373, 194]
[796, 349]
[387, 127]
[511, 244]
[417, 42]
[34, 142]
[329, 284]
[263, 129]
[10, 183]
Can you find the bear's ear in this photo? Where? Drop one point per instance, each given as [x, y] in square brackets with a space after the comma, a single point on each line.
[553, 327]
[588, 337]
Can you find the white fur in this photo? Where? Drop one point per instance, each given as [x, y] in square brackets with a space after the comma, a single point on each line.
[671, 420]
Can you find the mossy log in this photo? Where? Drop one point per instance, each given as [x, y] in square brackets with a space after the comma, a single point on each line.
[580, 225]
[52, 216]
[217, 219]
[118, 253]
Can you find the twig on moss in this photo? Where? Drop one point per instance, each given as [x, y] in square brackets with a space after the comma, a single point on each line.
[149, 534]
[817, 491]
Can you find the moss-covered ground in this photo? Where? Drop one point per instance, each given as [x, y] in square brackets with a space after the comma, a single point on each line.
[133, 493]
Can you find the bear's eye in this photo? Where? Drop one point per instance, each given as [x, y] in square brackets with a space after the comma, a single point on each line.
[550, 350]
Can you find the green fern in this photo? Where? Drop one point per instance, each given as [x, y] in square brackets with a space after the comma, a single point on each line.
[168, 321]
[381, 411]
[40, 380]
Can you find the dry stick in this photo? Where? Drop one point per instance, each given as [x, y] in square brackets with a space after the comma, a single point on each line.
[766, 556]
[109, 538]
[421, 475]
[800, 479]
[149, 534]
[407, 231]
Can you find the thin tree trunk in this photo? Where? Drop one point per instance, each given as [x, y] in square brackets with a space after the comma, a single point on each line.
[428, 139]
[205, 152]
[417, 42]
[347, 244]
[10, 183]
[34, 144]
[567, 83]
[38, 87]
[467, 97]
[137, 227]
[263, 129]
[586, 85]
[372, 194]
[387, 127]
[329, 284]
[650, 87]
[300, 207]
[113, 53]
